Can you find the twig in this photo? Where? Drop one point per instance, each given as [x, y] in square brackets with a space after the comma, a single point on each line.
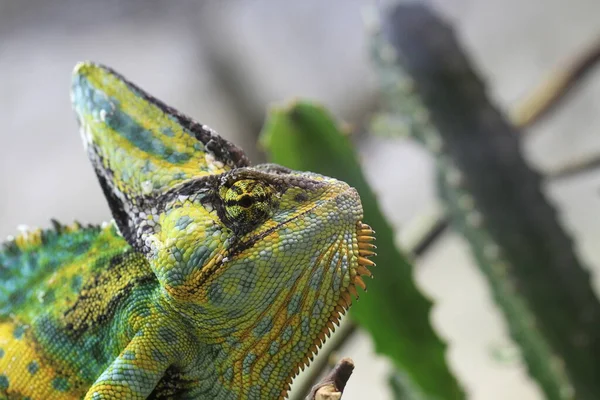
[403, 388]
[436, 230]
[576, 167]
[332, 386]
[554, 89]
[228, 74]
[347, 329]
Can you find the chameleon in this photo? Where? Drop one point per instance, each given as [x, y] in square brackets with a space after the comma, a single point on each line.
[215, 279]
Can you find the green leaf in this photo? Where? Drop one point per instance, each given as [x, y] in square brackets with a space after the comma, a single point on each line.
[304, 136]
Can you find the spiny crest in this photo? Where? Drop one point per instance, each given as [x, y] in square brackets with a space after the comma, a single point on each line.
[29, 238]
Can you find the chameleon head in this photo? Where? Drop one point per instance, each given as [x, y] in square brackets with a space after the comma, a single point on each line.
[261, 261]
[263, 252]
[258, 238]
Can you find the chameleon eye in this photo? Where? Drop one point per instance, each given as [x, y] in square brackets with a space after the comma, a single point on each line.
[248, 202]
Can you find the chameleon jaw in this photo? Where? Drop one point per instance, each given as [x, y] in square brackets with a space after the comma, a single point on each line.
[364, 247]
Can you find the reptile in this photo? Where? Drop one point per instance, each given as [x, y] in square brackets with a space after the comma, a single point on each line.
[215, 279]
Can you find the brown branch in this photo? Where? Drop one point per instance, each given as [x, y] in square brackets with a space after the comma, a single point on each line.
[436, 230]
[347, 329]
[575, 167]
[332, 386]
[554, 89]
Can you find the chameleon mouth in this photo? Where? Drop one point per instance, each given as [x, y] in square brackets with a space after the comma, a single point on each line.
[363, 249]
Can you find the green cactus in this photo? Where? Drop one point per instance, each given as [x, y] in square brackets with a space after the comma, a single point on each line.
[494, 200]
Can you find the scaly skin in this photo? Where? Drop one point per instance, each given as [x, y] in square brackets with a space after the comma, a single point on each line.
[217, 280]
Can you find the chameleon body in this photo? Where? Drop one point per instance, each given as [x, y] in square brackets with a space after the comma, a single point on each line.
[216, 279]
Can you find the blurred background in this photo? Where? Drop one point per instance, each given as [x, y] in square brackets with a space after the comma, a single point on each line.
[226, 62]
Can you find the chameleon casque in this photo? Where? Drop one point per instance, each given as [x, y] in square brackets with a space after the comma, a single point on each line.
[216, 279]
